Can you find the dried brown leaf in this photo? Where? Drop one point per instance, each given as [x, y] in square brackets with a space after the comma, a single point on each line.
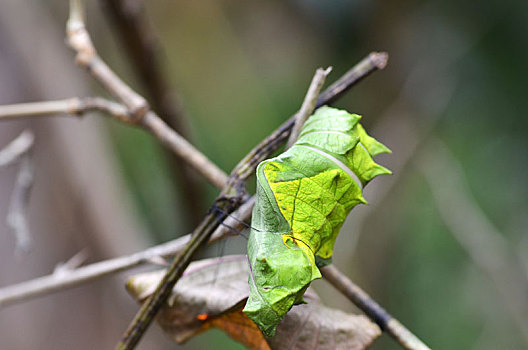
[213, 292]
[315, 326]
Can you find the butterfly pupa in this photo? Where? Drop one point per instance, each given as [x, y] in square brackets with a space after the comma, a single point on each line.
[303, 197]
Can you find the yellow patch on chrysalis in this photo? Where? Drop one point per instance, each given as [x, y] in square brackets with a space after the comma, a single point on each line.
[290, 241]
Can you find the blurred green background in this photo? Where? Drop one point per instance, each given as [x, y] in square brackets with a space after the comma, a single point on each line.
[443, 243]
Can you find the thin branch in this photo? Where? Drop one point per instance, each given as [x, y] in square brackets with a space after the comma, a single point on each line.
[72, 263]
[372, 309]
[75, 277]
[184, 149]
[138, 108]
[67, 279]
[16, 148]
[74, 106]
[308, 104]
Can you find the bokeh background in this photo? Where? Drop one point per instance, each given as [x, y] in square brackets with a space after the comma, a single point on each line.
[443, 243]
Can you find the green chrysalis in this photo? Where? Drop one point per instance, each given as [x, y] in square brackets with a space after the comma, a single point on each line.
[303, 198]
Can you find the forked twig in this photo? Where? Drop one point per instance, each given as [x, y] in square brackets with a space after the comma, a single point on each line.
[137, 107]
[74, 106]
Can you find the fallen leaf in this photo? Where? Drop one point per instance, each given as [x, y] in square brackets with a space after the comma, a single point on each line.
[213, 292]
[315, 326]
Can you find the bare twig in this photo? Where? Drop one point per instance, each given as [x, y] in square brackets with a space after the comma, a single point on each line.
[75, 106]
[138, 108]
[72, 263]
[67, 279]
[16, 148]
[486, 246]
[184, 149]
[372, 309]
[308, 104]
